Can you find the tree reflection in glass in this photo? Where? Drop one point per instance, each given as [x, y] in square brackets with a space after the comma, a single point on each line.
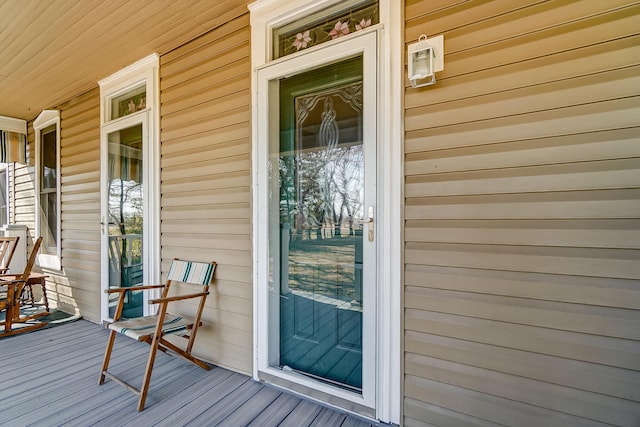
[321, 186]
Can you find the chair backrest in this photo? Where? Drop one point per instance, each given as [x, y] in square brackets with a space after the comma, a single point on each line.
[7, 249]
[199, 273]
[31, 261]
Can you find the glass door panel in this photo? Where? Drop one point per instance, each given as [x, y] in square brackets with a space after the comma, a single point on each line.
[316, 220]
[125, 216]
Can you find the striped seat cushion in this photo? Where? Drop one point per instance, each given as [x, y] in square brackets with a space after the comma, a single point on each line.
[141, 327]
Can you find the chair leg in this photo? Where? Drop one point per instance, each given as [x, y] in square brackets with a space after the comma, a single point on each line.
[107, 355]
[147, 373]
[44, 295]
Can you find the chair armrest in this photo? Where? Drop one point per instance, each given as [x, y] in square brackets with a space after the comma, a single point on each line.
[132, 288]
[10, 282]
[177, 298]
[5, 274]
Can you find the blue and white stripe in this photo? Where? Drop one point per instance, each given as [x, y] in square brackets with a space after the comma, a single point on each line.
[199, 273]
[141, 327]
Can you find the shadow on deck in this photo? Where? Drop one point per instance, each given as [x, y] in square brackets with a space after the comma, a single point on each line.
[50, 378]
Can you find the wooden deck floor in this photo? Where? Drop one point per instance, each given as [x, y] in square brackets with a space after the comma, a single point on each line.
[50, 378]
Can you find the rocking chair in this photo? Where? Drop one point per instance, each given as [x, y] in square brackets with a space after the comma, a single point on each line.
[7, 249]
[10, 299]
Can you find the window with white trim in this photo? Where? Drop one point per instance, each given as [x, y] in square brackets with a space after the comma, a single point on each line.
[130, 182]
[47, 139]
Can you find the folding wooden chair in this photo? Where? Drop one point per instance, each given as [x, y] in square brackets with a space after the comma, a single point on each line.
[10, 300]
[153, 329]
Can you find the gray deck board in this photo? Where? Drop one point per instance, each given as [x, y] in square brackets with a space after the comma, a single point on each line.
[303, 414]
[277, 411]
[251, 408]
[49, 377]
[328, 417]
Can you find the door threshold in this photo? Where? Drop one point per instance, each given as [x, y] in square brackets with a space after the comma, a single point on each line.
[315, 394]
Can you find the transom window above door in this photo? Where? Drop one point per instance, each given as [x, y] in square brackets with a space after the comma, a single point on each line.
[325, 25]
[132, 90]
[130, 102]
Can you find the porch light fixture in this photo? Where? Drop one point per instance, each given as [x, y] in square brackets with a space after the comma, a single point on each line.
[426, 57]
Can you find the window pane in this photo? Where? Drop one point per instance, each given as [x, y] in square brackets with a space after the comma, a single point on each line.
[129, 103]
[49, 221]
[48, 174]
[126, 216]
[49, 171]
[325, 25]
[317, 243]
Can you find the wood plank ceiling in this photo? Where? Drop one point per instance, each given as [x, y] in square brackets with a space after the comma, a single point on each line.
[55, 49]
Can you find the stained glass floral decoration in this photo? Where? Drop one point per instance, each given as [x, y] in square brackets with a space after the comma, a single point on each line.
[340, 29]
[128, 103]
[302, 40]
[329, 24]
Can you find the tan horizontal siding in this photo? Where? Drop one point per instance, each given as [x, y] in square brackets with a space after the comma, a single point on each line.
[603, 379]
[489, 23]
[571, 261]
[565, 399]
[196, 63]
[232, 14]
[552, 96]
[74, 296]
[603, 116]
[468, 51]
[603, 350]
[560, 205]
[601, 233]
[476, 408]
[76, 287]
[579, 62]
[522, 216]
[79, 283]
[233, 135]
[574, 289]
[562, 149]
[206, 165]
[604, 321]
[223, 89]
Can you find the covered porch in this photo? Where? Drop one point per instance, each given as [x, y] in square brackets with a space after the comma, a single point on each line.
[50, 377]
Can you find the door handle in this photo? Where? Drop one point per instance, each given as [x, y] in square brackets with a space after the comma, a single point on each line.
[370, 224]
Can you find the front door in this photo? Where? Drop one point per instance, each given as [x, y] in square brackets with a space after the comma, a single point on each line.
[322, 218]
[321, 203]
[123, 219]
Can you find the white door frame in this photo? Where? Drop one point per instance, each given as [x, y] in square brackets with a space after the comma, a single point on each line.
[265, 15]
[365, 45]
[144, 71]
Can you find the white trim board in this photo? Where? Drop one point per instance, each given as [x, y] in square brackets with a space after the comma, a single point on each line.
[11, 124]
